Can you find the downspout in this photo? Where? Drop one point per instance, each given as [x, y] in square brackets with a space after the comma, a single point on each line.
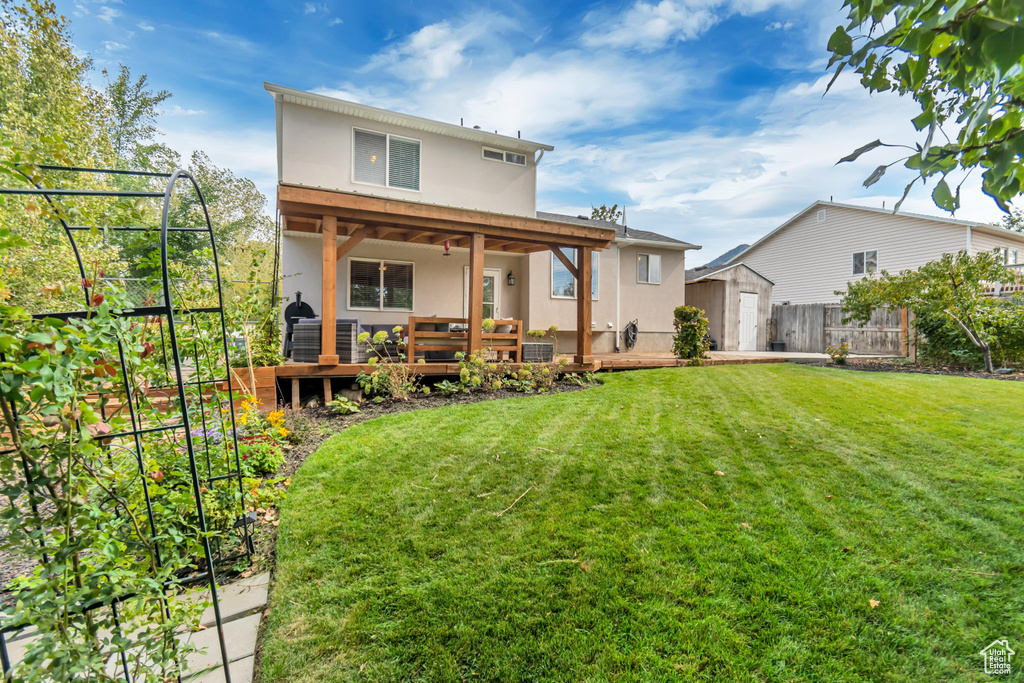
[540, 156]
[970, 247]
[618, 289]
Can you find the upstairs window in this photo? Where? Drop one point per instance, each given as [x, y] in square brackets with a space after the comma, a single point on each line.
[1009, 256]
[385, 160]
[648, 269]
[504, 157]
[865, 262]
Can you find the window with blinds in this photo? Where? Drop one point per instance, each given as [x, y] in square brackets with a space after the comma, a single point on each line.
[504, 157]
[363, 284]
[385, 160]
[403, 163]
[397, 282]
[370, 153]
[380, 285]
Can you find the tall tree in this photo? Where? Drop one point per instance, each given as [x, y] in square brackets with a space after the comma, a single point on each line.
[133, 110]
[963, 62]
[612, 213]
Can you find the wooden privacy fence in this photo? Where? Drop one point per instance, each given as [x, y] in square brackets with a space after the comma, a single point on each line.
[810, 328]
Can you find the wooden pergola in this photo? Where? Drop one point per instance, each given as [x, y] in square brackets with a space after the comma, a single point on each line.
[359, 217]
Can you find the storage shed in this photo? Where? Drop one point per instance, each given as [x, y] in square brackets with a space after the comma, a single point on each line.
[737, 301]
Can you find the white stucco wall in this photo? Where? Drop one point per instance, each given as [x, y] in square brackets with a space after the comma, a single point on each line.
[438, 281]
[315, 151]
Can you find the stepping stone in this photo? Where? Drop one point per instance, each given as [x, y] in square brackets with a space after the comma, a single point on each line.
[241, 672]
[239, 637]
[237, 598]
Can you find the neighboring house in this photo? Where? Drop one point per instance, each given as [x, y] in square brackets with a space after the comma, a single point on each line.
[438, 219]
[737, 302]
[825, 246]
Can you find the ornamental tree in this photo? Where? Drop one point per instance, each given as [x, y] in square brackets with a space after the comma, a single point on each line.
[963, 62]
[952, 287]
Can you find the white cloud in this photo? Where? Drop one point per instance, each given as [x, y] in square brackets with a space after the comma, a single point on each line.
[143, 26]
[434, 51]
[107, 14]
[721, 188]
[248, 152]
[779, 26]
[176, 110]
[114, 46]
[335, 22]
[647, 26]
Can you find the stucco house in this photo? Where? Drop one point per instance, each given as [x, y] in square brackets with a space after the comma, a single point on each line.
[822, 248]
[388, 216]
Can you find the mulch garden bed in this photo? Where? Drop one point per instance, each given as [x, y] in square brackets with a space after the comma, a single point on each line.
[868, 365]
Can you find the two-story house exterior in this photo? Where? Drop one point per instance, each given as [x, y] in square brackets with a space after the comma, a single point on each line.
[822, 248]
[423, 211]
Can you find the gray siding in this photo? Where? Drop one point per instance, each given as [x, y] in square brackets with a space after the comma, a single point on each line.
[809, 260]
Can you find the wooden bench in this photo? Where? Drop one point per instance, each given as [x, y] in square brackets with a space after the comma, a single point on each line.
[504, 345]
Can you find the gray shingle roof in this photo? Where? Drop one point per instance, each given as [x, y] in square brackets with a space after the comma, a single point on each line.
[702, 272]
[727, 256]
[621, 232]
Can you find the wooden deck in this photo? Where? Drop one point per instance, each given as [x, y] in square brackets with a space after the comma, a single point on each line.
[296, 373]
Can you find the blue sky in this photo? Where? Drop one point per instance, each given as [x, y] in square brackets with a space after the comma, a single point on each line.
[705, 118]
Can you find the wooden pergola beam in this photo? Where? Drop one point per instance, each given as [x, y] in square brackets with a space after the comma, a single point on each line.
[352, 242]
[557, 251]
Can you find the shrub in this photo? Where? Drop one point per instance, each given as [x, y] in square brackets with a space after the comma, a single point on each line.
[260, 455]
[838, 354]
[389, 379]
[344, 406]
[298, 426]
[448, 388]
[691, 338]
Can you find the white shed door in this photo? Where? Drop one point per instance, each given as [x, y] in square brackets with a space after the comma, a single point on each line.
[748, 321]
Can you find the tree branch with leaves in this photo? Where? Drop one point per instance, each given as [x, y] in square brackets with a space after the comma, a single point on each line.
[962, 62]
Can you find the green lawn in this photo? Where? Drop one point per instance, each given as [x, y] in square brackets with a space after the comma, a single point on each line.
[630, 559]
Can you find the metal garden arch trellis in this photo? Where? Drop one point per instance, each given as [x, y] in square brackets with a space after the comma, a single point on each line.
[190, 397]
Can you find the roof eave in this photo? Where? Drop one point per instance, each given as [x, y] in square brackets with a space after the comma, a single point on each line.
[678, 246]
[316, 101]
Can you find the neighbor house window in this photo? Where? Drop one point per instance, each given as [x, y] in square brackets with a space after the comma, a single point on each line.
[865, 262]
[379, 285]
[563, 284]
[385, 160]
[503, 156]
[648, 268]
[1009, 256]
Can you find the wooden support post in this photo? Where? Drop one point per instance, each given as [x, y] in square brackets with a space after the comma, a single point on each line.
[474, 336]
[296, 404]
[584, 335]
[328, 396]
[329, 300]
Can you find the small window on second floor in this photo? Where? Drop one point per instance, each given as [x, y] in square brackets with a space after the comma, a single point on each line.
[865, 262]
[506, 157]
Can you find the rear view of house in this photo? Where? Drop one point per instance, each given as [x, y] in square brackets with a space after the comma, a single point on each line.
[389, 217]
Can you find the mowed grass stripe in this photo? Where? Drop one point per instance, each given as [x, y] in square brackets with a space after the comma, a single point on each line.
[393, 564]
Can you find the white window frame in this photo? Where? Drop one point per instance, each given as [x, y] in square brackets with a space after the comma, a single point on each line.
[387, 162]
[380, 306]
[504, 156]
[864, 255]
[493, 272]
[595, 281]
[648, 280]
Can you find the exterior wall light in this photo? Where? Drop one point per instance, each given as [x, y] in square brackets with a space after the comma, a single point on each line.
[511, 279]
